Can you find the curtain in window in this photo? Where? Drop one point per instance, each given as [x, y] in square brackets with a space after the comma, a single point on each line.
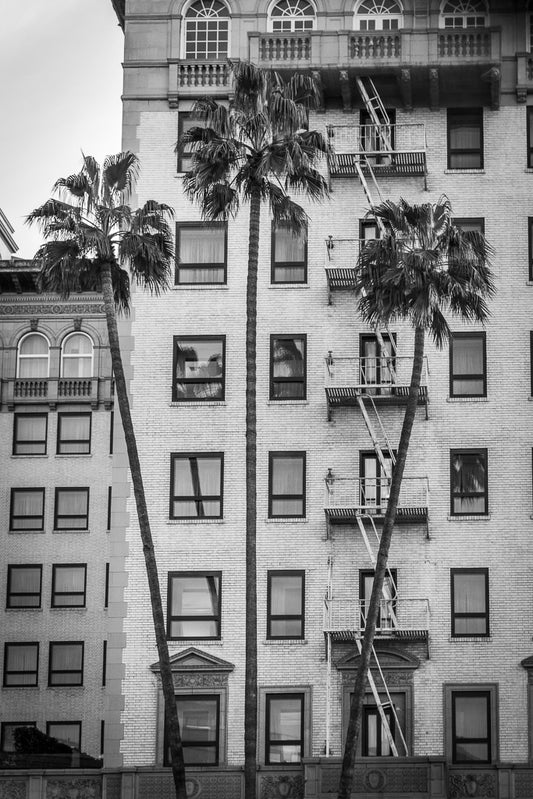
[468, 361]
[469, 483]
[25, 580]
[27, 509]
[288, 247]
[77, 356]
[69, 584]
[287, 479]
[71, 509]
[33, 357]
[75, 432]
[21, 659]
[471, 728]
[66, 658]
[200, 479]
[30, 429]
[469, 593]
[286, 600]
[67, 733]
[199, 246]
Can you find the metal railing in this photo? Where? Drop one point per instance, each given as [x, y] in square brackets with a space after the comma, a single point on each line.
[384, 374]
[370, 494]
[365, 140]
[397, 616]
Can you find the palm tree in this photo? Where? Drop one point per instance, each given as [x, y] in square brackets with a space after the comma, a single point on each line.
[255, 150]
[422, 267]
[93, 236]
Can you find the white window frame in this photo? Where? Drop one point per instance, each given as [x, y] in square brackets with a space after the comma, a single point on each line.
[292, 18]
[464, 11]
[186, 18]
[82, 356]
[21, 357]
[375, 11]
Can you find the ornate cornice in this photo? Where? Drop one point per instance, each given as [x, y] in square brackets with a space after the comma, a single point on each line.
[18, 307]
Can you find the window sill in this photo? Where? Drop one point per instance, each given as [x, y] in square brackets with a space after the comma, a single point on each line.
[467, 399]
[289, 286]
[287, 402]
[529, 282]
[470, 639]
[60, 532]
[179, 642]
[200, 286]
[28, 455]
[474, 518]
[21, 687]
[285, 520]
[195, 521]
[81, 611]
[196, 403]
[529, 170]
[73, 455]
[283, 641]
[17, 610]
[464, 172]
[24, 532]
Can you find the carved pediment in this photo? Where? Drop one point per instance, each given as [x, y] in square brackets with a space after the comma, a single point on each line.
[194, 660]
[388, 659]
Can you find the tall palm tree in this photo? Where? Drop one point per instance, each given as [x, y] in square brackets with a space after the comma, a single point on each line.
[255, 150]
[421, 268]
[96, 241]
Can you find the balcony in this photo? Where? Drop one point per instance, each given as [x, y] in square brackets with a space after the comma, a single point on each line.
[400, 618]
[52, 391]
[195, 79]
[350, 498]
[362, 144]
[341, 262]
[385, 380]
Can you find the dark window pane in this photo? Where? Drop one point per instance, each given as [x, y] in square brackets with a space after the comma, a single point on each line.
[194, 606]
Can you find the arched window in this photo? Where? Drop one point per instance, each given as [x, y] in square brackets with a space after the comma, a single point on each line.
[378, 15]
[207, 31]
[33, 356]
[77, 356]
[463, 14]
[292, 15]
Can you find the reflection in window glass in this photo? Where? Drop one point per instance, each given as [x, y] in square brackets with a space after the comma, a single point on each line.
[194, 605]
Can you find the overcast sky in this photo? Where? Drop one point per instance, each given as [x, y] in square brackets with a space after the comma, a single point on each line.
[60, 87]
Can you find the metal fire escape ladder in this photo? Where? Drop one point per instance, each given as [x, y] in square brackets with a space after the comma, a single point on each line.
[379, 445]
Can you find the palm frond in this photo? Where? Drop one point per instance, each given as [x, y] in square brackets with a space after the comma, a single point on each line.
[150, 257]
[119, 174]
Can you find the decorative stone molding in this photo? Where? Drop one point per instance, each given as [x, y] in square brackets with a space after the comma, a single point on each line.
[50, 309]
[73, 789]
[282, 787]
[461, 785]
[13, 789]
[77, 322]
[34, 324]
[193, 668]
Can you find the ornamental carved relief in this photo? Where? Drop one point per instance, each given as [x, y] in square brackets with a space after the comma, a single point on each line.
[523, 784]
[73, 789]
[461, 785]
[287, 787]
[13, 789]
[206, 786]
[50, 309]
[200, 680]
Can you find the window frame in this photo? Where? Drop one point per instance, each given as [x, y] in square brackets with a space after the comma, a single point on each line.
[365, 600]
[21, 357]
[295, 265]
[461, 15]
[279, 455]
[452, 690]
[367, 456]
[198, 696]
[530, 237]
[215, 618]
[17, 644]
[271, 617]
[58, 517]
[55, 594]
[455, 615]
[453, 115]
[222, 265]
[194, 54]
[12, 724]
[196, 498]
[12, 517]
[369, 15]
[83, 357]
[280, 381]
[529, 129]
[65, 724]
[184, 117]
[292, 19]
[52, 671]
[27, 442]
[269, 742]
[62, 441]
[11, 567]
[462, 336]
[383, 387]
[485, 494]
[188, 381]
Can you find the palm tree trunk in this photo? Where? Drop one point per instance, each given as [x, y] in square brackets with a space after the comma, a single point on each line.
[356, 706]
[174, 737]
[250, 687]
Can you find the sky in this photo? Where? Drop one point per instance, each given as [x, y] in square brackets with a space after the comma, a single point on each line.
[60, 87]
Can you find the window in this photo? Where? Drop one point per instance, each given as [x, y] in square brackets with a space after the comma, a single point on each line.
[193, 605]
[288, 367]
[464, 14]
[69, 585]
[387, 609]
[7, 734]
[199, 718]
[104, 663]
[376, 139]
[74, 433]
[289, 16]
[207, 31]
[201, 250]
[368, 229]
[286, 495]
[71, 509]
[106, 586]
[470, 602]
[24, 586]
[199, 368]
[374, 483]
[65, 663]
[30, 433]
[378, 15]
[529, 112]
[465, 138]
[468, 360]
[468, 471]
[375, 741]
[530, 246]
[33, 356]
[470, 224]
[288, 255]
[21, 663]
[284, 728]
[109, 507]
[285, 604]
[471, 727]
[377, 363]
[27, 509]
[186, 120]
[196, 485]
[77, 356]
[67, 732]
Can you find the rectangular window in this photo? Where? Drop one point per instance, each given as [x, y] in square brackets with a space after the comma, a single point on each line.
[470, 602]
[286, 485]
[104, 663]
[74, 433]
[30, 433]
[375, 741]
[27, 509]
[468, 473]
[109, 506]
[111, 430]
[288, 255]
[529, 112]
[288, 367]
[24, 586]
[185, 122]
[285, 604]
[199, 368]
[199, 718]
[106, 586]
[201, 253]
[377, 138]
[7, 734]
[193, 605]
[71, 509]
[21, 664]
[377, 363]
[67, 732]
[530, 246]
[284, 728]
[387, 609]
[468, 365]
[196, 485]
[375, 482]
[69, 585]
[469, 224]
[471, 727]
[465, 138]
[65, 665]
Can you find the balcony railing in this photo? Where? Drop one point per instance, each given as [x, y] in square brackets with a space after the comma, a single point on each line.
[195, 78]
[341, 262]
[363, 144]
[403, 617]
[290, 47]
[386, 379]
[346, 498]
[91, 390]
